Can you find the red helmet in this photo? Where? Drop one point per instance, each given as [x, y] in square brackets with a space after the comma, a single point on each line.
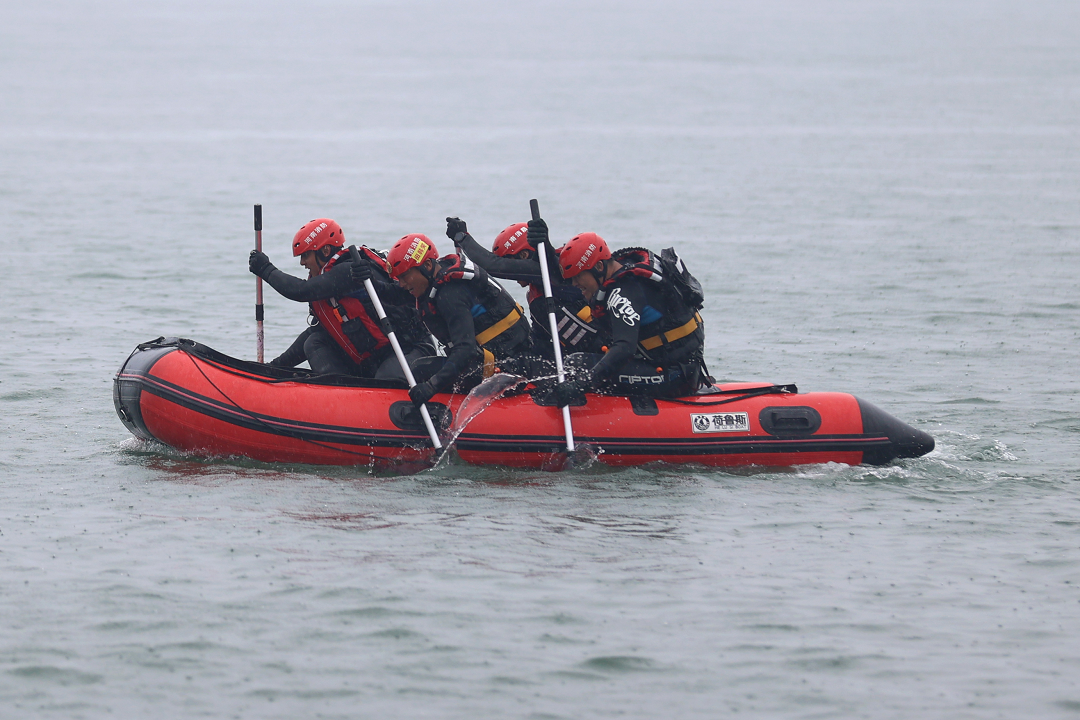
[582, 253]
[409, 252]
[317, 234]
[512, 240]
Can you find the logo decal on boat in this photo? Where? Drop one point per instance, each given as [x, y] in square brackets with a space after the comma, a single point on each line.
[720, 422]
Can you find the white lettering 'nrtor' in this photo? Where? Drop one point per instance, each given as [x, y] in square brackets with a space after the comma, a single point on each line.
[623, 308]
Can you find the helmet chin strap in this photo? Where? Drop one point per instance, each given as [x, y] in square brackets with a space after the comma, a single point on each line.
[324, 254]
[600, 274]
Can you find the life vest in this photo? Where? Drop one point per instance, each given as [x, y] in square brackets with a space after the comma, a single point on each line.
[678, 330]
[364, 339]
[573, 318]
[494, 311]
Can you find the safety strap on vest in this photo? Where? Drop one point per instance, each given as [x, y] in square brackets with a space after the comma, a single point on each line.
[500, 327]
[672, 335]
[341, 314]
[489, 363]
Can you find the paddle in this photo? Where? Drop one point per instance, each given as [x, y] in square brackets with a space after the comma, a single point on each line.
[541, 250]
[258, 289]
[389, 331]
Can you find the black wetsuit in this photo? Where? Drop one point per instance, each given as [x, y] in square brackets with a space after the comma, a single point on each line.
[317, 346]
[573, 317]
[637, 311]
[460, 313]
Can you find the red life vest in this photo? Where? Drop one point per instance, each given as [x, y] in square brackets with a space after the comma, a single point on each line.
[332, 312]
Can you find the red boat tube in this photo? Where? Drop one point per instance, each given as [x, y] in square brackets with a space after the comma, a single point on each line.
[195, 399]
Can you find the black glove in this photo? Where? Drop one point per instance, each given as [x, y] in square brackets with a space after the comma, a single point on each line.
[538, 233]
[421, 393]
[567, 392]
[454, 227]
[361, 271]
[259, 264]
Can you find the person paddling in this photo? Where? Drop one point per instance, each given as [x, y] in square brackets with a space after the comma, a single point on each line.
[346, 337]
[649, 304]
[464, 308]
[514, 257]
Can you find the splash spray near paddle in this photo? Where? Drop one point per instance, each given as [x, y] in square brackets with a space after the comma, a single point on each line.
[480, 398]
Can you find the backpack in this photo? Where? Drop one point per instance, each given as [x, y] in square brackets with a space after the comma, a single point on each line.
[688, 287]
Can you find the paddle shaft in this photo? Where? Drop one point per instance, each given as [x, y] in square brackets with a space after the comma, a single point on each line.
[545, 276]
[392, 337]
[258, 289]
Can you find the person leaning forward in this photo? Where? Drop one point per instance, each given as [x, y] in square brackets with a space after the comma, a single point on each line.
[514, 256]
[657, 335]
[465, 309]
[346, 337]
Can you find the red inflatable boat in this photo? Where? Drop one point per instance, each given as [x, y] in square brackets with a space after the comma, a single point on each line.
[195, 399]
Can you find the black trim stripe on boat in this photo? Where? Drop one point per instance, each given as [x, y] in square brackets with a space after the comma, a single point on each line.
[470, 442]
[271, 425]
[677, 446]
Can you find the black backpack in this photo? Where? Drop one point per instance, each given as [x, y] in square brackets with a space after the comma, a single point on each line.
[688, 287]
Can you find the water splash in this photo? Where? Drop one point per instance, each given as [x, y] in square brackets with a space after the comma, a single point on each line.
[478, 400]
[483, 395]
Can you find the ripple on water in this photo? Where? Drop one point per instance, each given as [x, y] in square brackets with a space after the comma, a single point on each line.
[327, 694]
[835, 662]
[969, 401]
[398, 633]
[347, 521]
[40, 393]
[620, 664]
[564, 640]
[56, 675]
[375, 612]
[1069, 424]
[123, 627]
[564, 619]
[512, 681]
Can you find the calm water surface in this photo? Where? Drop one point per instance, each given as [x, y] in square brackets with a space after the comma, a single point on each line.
[880, 198]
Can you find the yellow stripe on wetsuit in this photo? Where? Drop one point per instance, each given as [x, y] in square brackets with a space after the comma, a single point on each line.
[500, 327]
[672, 335]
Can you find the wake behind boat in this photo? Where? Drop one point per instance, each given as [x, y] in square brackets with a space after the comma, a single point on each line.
[195, 399]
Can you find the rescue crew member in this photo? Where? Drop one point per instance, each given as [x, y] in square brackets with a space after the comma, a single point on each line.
[464, 308]
[346, 337]
[514, 257]
[657, 337]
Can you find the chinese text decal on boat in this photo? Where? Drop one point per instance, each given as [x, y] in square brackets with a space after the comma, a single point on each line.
[720, 422]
